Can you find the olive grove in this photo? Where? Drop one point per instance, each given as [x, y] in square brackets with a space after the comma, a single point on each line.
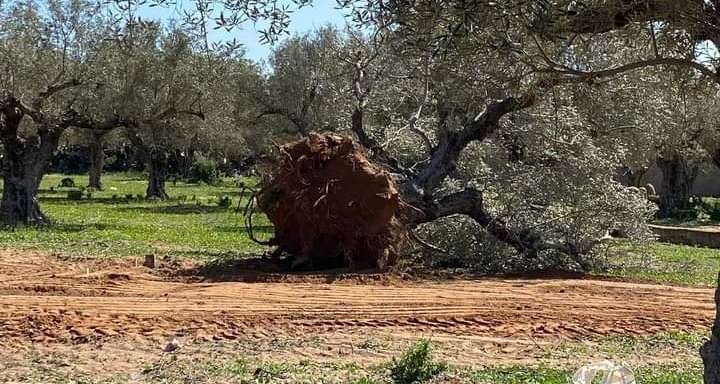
[503, 123]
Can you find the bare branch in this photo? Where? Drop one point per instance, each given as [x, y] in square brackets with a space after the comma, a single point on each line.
[361, 94]
[52, 90]
[71, 118]
[416, 116]
[656, 62]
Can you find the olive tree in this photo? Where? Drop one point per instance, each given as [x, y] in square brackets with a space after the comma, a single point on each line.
[45, 54]
[309, 68]
[151, 78]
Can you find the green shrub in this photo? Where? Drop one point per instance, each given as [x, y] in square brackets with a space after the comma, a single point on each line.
[416, 365]
[67, 183]
[690, 214]
[204, 170]
[711, 209]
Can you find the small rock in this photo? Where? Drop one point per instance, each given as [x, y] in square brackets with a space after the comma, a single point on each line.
[171, 346]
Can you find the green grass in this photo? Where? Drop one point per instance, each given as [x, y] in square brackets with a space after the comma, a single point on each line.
[207, 372]
[192, 224]
[108, 224]
[644, 375]
[661, 359]
[663, 263]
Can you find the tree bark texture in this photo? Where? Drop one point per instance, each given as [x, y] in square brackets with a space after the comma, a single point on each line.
[157, 162]
[97, 161]
[23, 167]
[677, 182]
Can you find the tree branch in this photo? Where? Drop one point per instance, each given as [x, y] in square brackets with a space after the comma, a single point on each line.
[697, 17]
[74, 119]
[656, 62]
[469, 202]
[451, 143]
[416, 116]
[53, 89]
[300, 122]
[361, 94]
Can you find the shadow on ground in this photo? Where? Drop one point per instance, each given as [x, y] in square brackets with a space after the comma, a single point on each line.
[74, 228]
[261, 269]
[178, 209]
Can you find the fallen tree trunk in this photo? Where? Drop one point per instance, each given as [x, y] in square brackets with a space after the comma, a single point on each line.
[469, 202]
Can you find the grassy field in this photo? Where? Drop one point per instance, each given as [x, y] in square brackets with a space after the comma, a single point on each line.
[115, 222]
[663, 263]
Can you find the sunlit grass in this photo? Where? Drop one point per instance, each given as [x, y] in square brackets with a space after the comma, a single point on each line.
[645, 375]
[663, 263]
[115, 222]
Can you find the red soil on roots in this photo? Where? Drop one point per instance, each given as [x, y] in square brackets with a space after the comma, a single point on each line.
[328, 202]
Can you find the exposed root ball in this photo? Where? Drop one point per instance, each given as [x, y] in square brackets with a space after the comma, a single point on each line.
[329, 203]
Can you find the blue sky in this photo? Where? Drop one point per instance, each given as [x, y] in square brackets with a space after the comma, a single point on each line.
[322, 12]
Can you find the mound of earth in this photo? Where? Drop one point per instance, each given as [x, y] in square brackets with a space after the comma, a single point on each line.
[330, 205]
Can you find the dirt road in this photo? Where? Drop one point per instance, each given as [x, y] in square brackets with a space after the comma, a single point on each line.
[43, 299]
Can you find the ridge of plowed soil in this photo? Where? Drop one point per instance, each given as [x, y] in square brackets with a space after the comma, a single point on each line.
[47, 300]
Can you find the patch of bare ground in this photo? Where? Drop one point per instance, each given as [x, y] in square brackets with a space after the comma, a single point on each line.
[46, 300]
[114, 316]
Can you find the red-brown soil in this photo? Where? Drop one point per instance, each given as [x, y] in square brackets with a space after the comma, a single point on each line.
[47, 300]
[327, 201]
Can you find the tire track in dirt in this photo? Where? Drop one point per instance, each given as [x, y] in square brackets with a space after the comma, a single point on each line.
[43, 299]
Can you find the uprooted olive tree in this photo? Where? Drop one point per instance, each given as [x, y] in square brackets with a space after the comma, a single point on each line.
[545, 44]
[415, 117]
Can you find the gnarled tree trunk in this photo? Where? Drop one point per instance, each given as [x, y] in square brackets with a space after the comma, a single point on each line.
[27, 156]
[23, 167]
[19, 203]
[677, 182]
[710, 351]
[97, 161]
[157, 162]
